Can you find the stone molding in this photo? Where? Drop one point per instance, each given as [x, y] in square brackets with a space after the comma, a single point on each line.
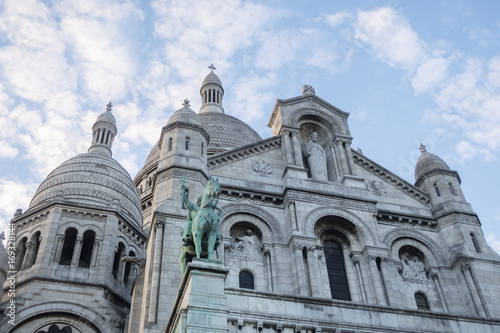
[137, 238]
[406, 220]
[337, 202]
[390, 177]
[179, 173]
[244, 152]
[453, 173]
[404, 233]
[258, 199]
[265, 217]
[458, 218]
[20, 224]
[182, 124]
[326, 187]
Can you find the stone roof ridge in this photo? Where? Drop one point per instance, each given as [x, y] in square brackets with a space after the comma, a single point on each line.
[245, 151]
[297, 99]
[392, 178]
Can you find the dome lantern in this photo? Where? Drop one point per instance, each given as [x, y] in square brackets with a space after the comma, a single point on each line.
[103, 132]
[211, 93]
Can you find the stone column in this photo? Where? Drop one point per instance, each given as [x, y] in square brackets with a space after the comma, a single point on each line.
[336, 162]
[28, 256]
[76, 252]
[356, 263]
[469, 279]
[342, 158]
[384, 267]
[95, 254]
[314, 271]
[301, 273]
[288, 147]
[56, 254]
[297, 151]
[293, 215]
[350, 159]
[437, 285]
[269, 274]
[155, 283]
[377, 285]
[227, 248]
[324, 275]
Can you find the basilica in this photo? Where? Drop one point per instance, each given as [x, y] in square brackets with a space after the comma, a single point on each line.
[313, 236]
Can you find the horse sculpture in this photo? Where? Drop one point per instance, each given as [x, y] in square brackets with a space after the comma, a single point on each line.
[200, 237]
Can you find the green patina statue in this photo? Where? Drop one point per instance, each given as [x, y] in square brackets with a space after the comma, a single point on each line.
[200, 237]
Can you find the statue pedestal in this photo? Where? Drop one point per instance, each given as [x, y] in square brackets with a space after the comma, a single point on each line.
[201, 304]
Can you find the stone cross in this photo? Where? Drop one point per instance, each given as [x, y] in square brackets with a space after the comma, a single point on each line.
[108, 107]
[422, 148]
[186, 103]
[212, 67]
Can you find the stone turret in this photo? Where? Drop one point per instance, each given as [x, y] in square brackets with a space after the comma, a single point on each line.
[103, 132]
[211, 92]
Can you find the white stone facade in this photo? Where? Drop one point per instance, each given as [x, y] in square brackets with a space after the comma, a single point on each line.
[360, 251]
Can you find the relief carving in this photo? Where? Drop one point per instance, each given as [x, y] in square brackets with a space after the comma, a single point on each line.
[262, 167]
[376, 187]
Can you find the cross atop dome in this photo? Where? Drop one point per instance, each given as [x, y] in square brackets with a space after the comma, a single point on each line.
[109, 107]
[186, 103]
[212, 67]
[423, 149]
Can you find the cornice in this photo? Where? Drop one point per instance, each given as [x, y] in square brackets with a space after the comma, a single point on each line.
[390, 177]
[245, 151]
[184, 125]
[453, 173]
[415, 221]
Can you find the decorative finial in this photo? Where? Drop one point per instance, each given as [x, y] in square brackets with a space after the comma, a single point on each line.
[422, 148]
[186, 103]
[212, 67]
[109, 107]
[360, 151]
[308, 90]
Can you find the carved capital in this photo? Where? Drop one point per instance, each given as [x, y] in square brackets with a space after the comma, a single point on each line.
[371, 257]
[465, 267]
[310, 248]
[159, 224]
[298, 246]
[434, 276]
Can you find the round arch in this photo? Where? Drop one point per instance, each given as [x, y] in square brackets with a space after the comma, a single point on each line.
[399, 237]
[70, 309]
[310, 220]
[331, 122]
[268, 225]
[61, 229]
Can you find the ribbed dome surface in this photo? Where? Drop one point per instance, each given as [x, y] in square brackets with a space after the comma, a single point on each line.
[429, 162]
[92, 179]
[106, 117]
[211, 78]
[227, 132]
[185, 115]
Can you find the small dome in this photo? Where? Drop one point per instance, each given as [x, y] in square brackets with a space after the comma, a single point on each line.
[429, 162]
[227, 132]
[93, 180]
[185, 115]
[106, 117]
[211, 78]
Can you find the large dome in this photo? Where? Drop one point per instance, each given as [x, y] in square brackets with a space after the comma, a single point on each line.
[93, 180]
[226, 132]
[429, 162]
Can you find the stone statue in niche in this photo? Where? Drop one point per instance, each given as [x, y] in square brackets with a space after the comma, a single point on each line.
[247, 245]
[413, 268]
[316, 158]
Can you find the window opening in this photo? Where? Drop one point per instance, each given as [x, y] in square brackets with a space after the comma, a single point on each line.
[21, 251]
[68, 246]
[116, 261]
[87, 249]
[246, 280]
[437, 190]
[187, 143]
[334, 258]
[474, 242]
[452, 189]
[169, 144]
[421, 301]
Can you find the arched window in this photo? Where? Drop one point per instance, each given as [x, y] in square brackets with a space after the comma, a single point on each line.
[246, 280]
[35, 240]
[452, 189]
[87, 249]
[21, 252]
[68, 246]
[103, 135]
[474, 242]
[169, 144]
[437, 189]
[187, 143]
[334, 258]
[421, 301]
[117, 259]
[128, 265]
[202, 148]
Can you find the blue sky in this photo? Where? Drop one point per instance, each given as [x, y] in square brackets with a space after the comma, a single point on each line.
[407, 72]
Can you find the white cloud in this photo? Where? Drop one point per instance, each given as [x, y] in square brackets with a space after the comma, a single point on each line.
[7, 151]
[430, 74]
[492, 241]
[391, 38]
[337, 19]
[468, 151]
